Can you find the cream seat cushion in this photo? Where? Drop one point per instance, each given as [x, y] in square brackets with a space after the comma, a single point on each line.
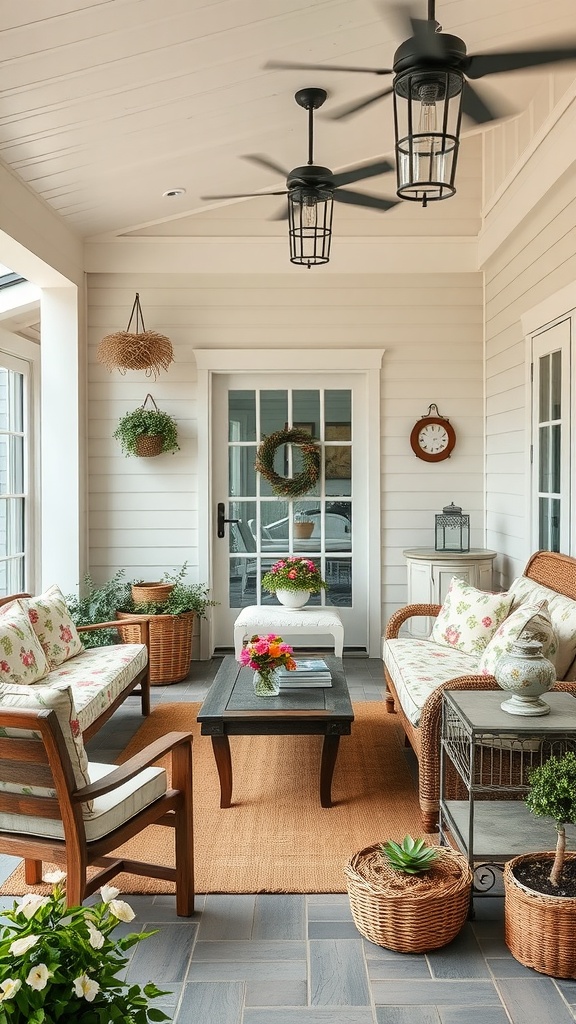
[109, 811]
[418, 667]
[98, 675]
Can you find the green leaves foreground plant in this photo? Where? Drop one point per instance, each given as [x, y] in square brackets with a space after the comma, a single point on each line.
[59, 964]
[412, 856]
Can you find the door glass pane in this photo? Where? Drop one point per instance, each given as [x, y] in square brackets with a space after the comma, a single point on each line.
[555, 389]
[338, 415]
[339, 579]
[555, 459]
[242, 474]
[241, 415]
[544, 467]
[544, 396]
[549, 524]
[273, 411]
[306, 411]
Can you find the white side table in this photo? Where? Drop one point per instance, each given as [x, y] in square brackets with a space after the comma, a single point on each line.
[430, 572]
[263, 618]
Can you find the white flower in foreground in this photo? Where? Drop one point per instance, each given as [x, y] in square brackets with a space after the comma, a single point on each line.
[85, 986]
[20, 946]
[9, 988]
[95, 937]
[109, 892]
[30, 903]
[38, 977]
[121, 910]
[53, 877]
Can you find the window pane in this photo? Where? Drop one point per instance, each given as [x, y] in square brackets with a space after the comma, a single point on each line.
[3, 398]
[241, 415]
[338, 415]
[16, 481]
[306, 411]
[16, 401]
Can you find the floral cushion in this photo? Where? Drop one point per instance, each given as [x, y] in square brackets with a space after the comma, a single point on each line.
[529, 620]
[469, 617]
[22, 660]
[58, 698]
[99, 675]
[562, 614]
[417, 667]
[53, 625]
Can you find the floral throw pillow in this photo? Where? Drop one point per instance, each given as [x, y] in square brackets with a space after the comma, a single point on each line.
[22, 660]
[469, 617]
[53, 626]
[529, 621]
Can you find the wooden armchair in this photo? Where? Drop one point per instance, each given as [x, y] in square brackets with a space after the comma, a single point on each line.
[80, 826]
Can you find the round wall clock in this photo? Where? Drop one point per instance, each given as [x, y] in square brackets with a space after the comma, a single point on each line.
[433, 437]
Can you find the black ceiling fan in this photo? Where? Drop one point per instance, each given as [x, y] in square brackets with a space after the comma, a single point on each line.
[429, 48]
[313, 180]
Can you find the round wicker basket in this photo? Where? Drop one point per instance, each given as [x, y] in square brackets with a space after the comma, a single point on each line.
[170, 644]
[155, 592]
[148, 445]
[540, 930]
[408, 913]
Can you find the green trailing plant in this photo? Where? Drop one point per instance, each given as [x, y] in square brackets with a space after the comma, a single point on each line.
[60, 964]
[144, 422]
[99, 604]
[413, 856]
[552, 794]
[185, 597]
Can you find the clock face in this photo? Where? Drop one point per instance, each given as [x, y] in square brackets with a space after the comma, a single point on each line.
[432, 439]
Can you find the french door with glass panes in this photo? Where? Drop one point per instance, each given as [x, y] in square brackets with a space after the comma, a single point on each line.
[261, 527]
[552, 454]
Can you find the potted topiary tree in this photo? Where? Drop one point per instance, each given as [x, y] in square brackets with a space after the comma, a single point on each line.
[540, 888]
[147, 432]
[409, 897]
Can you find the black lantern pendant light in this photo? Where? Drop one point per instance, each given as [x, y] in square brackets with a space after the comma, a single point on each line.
[310, 197]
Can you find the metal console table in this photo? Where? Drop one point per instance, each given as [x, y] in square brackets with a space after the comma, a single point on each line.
[491, 752]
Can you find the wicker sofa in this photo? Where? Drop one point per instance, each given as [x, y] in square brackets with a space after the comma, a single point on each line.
[556, 573]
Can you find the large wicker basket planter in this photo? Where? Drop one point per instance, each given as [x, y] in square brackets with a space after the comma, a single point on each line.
[170, 644]
[408, 913]
[540, 930]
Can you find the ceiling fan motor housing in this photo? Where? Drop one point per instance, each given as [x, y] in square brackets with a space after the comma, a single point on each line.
[448, 53]
[312, 176]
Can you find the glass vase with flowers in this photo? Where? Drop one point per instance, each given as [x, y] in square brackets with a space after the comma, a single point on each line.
[265, 654]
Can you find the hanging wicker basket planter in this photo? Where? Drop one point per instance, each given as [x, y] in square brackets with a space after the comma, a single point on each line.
[139, 350]
[408, 913]
[147, 431]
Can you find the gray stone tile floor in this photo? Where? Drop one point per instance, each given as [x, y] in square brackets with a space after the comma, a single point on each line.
[298, 959]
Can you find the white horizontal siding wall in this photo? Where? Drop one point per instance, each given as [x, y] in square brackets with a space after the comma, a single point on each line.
[537, 260]
[143, 512]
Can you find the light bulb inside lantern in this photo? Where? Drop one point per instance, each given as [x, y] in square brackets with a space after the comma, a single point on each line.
[309, 211]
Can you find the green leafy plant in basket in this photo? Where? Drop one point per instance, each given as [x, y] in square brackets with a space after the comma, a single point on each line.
[99, 604]
[142, 424]
[412, 856]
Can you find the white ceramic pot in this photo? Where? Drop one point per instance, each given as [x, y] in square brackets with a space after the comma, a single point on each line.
[293, 598]
[526, 674]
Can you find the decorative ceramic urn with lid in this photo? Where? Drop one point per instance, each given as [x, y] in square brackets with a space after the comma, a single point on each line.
[526, 674]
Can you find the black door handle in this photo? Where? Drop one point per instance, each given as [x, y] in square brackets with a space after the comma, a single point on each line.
[221, 519]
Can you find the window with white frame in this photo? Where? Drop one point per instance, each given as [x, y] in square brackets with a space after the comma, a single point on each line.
[15, 533]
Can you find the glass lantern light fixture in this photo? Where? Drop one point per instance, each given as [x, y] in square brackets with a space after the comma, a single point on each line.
[309, 219]
[427, 118]
[452, 529]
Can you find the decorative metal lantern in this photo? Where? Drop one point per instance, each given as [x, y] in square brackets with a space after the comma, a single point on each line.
[310, 224]
[452, 529]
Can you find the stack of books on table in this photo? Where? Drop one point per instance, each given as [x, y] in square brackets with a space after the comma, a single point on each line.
[308, 672]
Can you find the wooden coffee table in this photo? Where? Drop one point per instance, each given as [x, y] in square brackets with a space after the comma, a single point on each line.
[231, 708]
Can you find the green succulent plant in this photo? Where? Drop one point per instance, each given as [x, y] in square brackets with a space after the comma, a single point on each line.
[412, 856]
[149, 422]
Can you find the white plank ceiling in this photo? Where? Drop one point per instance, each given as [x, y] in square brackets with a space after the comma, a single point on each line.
[106, 104]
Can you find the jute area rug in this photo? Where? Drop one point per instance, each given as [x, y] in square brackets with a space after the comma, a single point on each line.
[276, 837]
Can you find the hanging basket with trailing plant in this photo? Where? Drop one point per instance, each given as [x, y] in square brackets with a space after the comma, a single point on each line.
[147, 431]
[139, 350]
[289, 486]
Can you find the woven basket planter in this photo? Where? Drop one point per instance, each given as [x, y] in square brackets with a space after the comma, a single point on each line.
[408, 913]
[540, 930]
[156, 592]
[148, 445]
[170, 644]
